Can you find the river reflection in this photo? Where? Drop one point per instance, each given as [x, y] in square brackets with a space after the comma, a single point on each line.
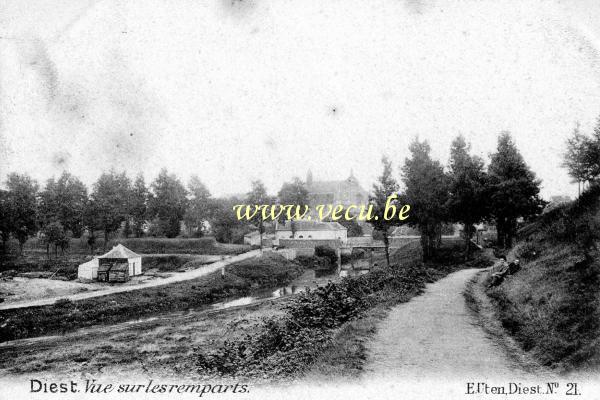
[353, 272]
[244, 301]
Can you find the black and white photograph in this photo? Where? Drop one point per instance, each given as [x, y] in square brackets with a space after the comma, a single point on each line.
[299, 199]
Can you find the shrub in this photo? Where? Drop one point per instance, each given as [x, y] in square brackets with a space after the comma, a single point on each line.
[327, 252]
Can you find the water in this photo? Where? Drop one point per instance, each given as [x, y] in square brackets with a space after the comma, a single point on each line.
[244, 301]
[353, 272]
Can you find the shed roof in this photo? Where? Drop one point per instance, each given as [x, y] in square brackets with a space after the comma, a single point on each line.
[120, 251]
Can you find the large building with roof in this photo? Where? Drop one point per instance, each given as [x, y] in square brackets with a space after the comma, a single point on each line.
[344, 192]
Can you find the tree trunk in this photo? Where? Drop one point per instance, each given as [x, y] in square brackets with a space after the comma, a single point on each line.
[386, 243]
[260, 232]
[105, 238]
[467, 233]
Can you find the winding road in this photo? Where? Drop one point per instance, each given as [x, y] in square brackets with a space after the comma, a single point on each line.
[436, 335]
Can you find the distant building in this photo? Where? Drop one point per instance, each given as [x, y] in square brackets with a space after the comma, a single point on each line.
[315, 230]
[345, 192]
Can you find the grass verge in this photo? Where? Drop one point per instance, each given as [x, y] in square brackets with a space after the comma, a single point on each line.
[551, 307]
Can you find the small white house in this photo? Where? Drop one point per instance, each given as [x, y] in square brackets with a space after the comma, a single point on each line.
[315, 230]
[89, 270]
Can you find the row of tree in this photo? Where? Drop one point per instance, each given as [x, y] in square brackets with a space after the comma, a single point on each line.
[465, 192]
[65, 208]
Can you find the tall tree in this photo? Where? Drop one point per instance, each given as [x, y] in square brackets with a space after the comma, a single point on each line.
[467, 202]
[257, 197]
[385, 187]
[200, 207]
[54, 234]
[91, 221]
[22, 207]
[582, 156]
[63, 201]
[224, 222]
[293, 193]
[138, 205]
[110, 201]
[167, 203]
[427, 193]
[514, 189]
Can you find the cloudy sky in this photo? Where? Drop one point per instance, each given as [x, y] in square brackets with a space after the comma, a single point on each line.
[245, 89]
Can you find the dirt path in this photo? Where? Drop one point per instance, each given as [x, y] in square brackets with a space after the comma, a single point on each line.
[436, 335]
[183, 276]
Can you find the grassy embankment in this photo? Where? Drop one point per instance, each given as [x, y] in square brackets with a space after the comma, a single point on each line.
[323, 332]
[551, 307]
[240, 278]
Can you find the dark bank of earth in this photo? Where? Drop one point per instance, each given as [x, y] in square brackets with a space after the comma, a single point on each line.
[551, 307]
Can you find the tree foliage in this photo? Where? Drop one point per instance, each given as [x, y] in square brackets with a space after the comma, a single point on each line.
[63, 201]
[225, 225]
[167, 203]
[514, 189]
[427, 193]
[294, 193]
[257, 196]
[54, 234]
[385, 187]
[200, 207]
[21, 207]
[467, 190]
[582, 157]
[109, 202]
[138, 200]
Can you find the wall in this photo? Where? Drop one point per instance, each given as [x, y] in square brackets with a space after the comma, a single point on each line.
[316, 235]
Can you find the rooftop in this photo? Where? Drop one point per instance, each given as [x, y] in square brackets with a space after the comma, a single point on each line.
[120, 251]
[304, 225]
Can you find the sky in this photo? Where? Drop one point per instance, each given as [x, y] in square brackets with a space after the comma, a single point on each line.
[236, 90]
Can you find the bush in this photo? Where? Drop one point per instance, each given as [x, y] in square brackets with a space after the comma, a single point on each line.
[327, 252]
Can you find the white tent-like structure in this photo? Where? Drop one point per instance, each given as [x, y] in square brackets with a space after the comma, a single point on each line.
[89, 269]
